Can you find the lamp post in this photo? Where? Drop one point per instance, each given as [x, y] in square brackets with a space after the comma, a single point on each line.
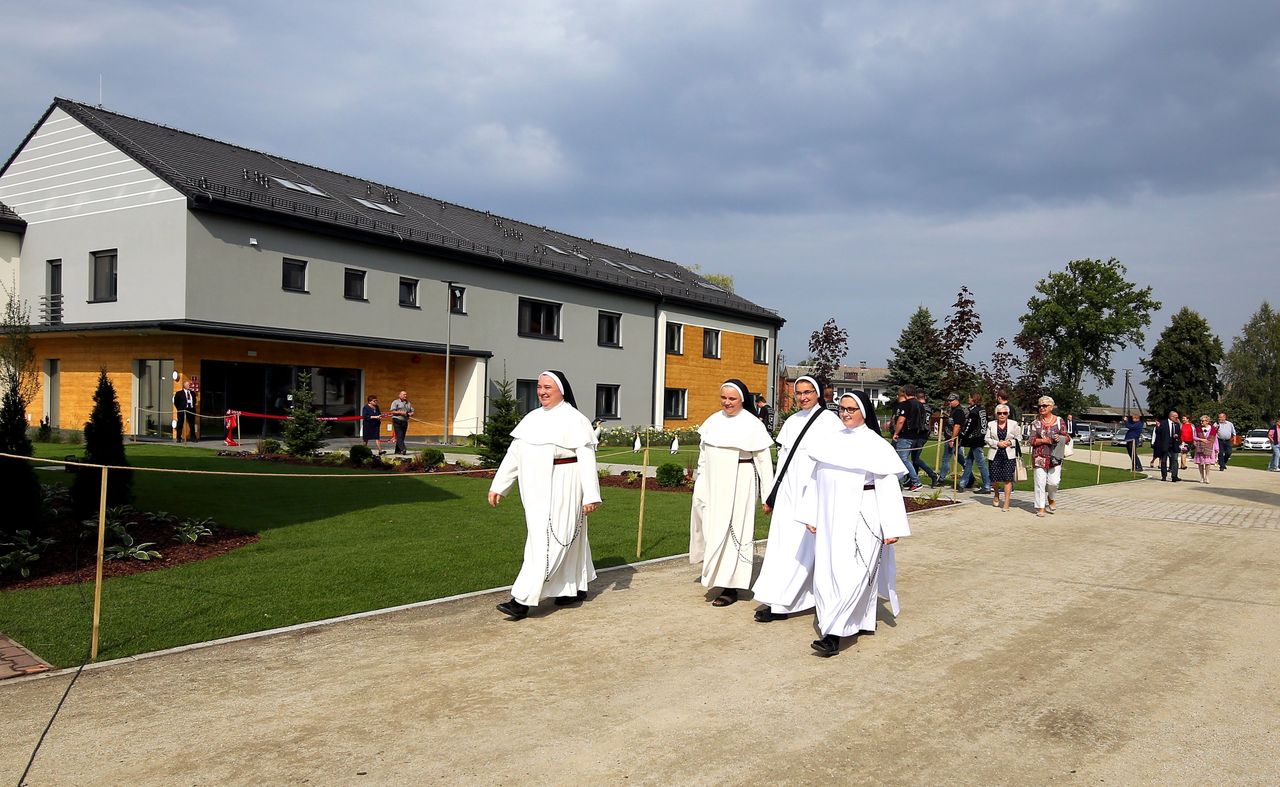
[448, 347]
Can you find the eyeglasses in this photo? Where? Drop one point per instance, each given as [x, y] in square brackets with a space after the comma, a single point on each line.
[844, 410]
[809, 392]
[1044, 405]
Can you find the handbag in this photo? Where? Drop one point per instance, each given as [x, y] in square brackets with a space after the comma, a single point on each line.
[1020, 468]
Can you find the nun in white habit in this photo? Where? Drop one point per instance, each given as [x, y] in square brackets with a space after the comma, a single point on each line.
[853, 505]
[785, 584]
[553, 455]
[734, 470]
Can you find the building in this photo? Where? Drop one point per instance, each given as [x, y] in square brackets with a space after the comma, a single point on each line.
[845, 380]
[158, 255]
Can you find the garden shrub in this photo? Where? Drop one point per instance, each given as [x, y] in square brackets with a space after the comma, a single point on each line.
[360, 455]
[268, 446]
[431, 458]
[103, 445]
[670, 474]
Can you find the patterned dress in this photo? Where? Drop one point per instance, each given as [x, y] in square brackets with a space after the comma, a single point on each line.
[1005, 463]
[1042, 455]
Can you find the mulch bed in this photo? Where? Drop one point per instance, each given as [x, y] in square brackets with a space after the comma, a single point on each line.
[69, 562]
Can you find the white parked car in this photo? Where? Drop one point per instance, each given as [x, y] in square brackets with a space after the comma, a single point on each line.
[1256, 440]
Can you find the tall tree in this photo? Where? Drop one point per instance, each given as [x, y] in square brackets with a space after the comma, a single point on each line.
[1182, 370]
[959, 330]
[829, 345]
[917, 357]
[998, 376]
[504, 416]
[1083, 315]
[1252, 369]
[103, 445]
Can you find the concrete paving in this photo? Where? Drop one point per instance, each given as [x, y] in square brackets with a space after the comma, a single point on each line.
[1129, 638]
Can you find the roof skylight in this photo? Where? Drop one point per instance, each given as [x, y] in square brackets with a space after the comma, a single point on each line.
[303, 187]
[377, 206]
[556, 250]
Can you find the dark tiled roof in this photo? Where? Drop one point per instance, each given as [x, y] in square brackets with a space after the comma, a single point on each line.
[10, 220]
[223, 177]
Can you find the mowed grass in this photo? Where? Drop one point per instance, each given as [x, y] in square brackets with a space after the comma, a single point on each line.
[329, 547]
[1256, 460]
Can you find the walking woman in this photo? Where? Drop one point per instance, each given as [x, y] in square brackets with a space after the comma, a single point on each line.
[553, 455]
[785, 584]
[1004, 450]
[1205, 438]
[734, 470]
[1048, 434]
[371, 424]
[853, 505]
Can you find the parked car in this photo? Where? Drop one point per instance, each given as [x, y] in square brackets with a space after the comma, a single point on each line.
[1104, 432]
[1256, 440]
[1082, 432]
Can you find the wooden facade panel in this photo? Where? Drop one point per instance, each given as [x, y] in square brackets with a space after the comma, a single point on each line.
[385, 372]
[702, 376]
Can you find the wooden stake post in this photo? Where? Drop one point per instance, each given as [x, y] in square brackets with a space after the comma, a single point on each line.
[644, 482]
[97, 583]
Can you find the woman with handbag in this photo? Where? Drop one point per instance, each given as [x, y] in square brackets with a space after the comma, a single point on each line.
[1004, 452]
[1049, 440]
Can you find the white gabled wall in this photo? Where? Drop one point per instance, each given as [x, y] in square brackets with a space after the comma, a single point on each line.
[80, 194]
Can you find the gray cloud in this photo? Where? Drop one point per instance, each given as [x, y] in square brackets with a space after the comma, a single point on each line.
[923, 144]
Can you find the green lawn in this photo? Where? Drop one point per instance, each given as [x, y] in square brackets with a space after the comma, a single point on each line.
[1257, 460]
[329, 547]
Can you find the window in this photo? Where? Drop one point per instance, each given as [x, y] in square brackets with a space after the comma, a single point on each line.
[458, 300]
[710, 343]
[51, 304]
[526, 395]
[539, 319]
[409, 293]
[761, 354]
[675, 403]
[353, 284]
[104, 276]
[675, 338]
[606, 401]
[294, 275]
[609, 331]
[303, 187]
[377, 206]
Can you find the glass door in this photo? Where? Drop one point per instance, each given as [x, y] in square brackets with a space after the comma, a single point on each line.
[153, 412]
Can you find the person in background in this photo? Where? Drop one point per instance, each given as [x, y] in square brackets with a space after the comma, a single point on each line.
[828, 396]
[371, 424]
[765, 412]
[1046, 433]
[1004, 437]
[1205, 439]
[1132, 435]
[184, 406]
[1188, 436]
[1273, 434]
[1166, 444]
[975, 441]
[401, 412]
[952, 426]
[1002, 398]
[1226, 432]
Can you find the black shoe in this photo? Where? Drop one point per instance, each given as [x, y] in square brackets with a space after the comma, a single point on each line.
[766, 615]
[727, 597]
[567, 601]
[514, 609]
[827, 646]
[1176, 480]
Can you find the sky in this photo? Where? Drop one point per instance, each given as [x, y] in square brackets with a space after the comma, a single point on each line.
[853, 160]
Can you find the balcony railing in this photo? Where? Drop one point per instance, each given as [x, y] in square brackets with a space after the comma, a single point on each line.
[51, 309]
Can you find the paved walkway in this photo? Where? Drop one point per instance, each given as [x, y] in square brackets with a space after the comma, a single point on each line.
[16, 661]
[1129, 638]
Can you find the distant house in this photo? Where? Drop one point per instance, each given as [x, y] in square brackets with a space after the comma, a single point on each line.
[159, 254]
[845, 380]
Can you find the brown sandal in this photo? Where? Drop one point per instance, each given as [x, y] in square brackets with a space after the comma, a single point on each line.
[726, 598]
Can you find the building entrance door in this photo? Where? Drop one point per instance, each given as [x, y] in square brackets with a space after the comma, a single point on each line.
[153, 412]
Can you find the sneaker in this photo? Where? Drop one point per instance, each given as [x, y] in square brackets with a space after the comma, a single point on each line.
[916, 487]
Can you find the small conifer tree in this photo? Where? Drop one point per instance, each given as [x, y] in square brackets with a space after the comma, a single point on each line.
[304, 431]
[103, 445]
[503, 417]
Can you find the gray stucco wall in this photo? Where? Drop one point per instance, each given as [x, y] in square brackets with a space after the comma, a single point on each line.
[233, 281]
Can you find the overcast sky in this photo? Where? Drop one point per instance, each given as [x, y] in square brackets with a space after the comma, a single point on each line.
[845, 159]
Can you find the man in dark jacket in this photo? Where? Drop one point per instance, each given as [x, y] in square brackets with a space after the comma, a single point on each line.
[1166, 444]
[184, 408]
[975, 441]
